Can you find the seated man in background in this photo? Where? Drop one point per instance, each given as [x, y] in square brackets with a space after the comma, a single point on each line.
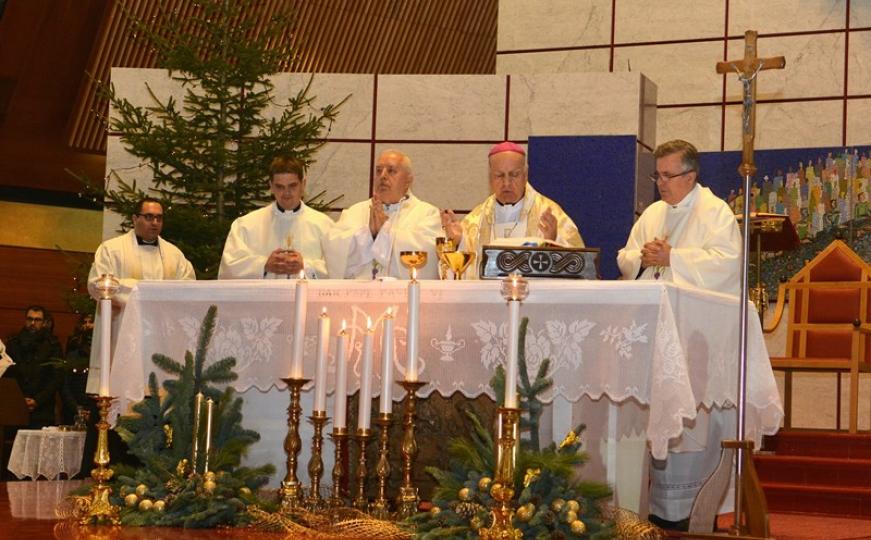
[138, 254]
[369, 236]
[279, 240]
[31, 349]
[513, 210]
[689, 237]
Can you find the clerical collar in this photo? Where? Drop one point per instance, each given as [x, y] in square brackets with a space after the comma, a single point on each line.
[143, 242]
[282, 210]
[505, 213]
[393, 207]
[688, 199]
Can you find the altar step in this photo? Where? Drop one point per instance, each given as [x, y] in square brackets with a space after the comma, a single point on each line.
[817, 472]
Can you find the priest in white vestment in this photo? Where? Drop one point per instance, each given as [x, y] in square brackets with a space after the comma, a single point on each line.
[280, 240]
[370, 235]
[139, 254]
[689, 237]
[514, 209]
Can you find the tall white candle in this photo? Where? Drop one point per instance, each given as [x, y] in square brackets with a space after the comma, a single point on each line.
[341, 398]
[386, 400]
[321, 368]
[301, 299]
[511, 368]
[195, 436]
[413, 326]
[105, 344]
[209, 405]
[364, 420]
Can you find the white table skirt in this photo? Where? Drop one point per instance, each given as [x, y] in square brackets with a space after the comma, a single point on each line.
[46, 453]
[671, 348]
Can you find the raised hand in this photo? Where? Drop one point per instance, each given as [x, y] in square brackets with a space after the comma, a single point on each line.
[452, 227]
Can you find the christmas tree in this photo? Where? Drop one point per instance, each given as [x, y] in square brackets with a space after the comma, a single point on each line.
[172, 489]
[209, 155]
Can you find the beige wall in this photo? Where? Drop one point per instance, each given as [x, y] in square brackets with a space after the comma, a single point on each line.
[677, 43]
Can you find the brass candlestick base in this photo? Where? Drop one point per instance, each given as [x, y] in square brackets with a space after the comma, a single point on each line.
[381, 506]
[361, 502]
[314, 501]
[291, 490]
[408, 499]
[340, 439]
[502, 490]
[97, 509]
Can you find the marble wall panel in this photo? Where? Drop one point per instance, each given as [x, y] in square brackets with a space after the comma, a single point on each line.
[447, 175]
[683, 72]
[785, 15]
[642, 20]
[859, 66]
[577, 61]
[555, 23]
[698, 125]
[860, 14]
[814, 67]
[789, 125]
[575, 104]
[649, 99]
[441, 107]
[858, 124]
[342, 168]
[354, 120]
[134, 84]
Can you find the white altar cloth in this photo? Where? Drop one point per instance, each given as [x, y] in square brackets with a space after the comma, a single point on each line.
[670, 348]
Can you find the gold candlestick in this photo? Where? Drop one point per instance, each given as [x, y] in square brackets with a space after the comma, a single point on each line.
[502, 490]
[315, 502]
[291, 490]
[408, 499]
[380, 508]
[361, 502]
[340, 438]
[98, 509]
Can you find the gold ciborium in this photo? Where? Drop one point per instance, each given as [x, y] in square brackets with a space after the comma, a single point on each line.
[458, 261]
[413, 260]
[444, 245]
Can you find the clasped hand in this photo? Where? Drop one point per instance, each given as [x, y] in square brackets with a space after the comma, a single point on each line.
[285, 261]
[656, 253]
[377, 216]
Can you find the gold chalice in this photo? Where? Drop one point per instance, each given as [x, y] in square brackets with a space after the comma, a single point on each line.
[413, 260]
[444, 245]
[458, 261]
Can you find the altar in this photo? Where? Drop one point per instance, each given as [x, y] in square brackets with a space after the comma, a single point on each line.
[658, 349]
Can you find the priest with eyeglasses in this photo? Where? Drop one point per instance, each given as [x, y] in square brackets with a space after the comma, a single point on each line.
[138, 254]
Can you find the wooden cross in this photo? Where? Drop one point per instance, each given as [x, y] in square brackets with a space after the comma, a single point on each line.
[747, 69]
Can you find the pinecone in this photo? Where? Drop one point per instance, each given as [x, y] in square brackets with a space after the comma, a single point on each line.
[468, 509]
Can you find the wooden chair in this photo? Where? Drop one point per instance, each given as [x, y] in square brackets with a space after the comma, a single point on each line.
[828, 323]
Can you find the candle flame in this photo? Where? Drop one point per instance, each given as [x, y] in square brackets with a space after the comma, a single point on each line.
[390, 312]
[344, 326]
[302, 274]
[324, 312]
[413, 273]
[369, 324]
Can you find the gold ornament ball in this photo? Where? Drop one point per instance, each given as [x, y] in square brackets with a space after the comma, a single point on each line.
[245, 491]
[209, 486]
[465, 494]
[574, 506]
[571, 516]
[160, 506]
[578, 527]
[496, 490]
[435, 510]
[476, 523]
[557, 505]
[141, 489]
[523, 514]
[484, 483]
[145, 505]
[131, 500]
[209, 476]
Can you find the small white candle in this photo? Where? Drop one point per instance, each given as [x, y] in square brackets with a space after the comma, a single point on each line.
[209, 405]
[513, 334]
[299, 326]
[413, 326]
[195, 436]
[364, 420]
[386, 400]
[321, 368]
[105, 344]
[341, 403]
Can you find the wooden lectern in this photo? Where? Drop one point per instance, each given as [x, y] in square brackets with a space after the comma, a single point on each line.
[769, 233]
[13, 413]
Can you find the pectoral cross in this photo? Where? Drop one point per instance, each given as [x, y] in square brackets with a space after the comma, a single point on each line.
[747, 69]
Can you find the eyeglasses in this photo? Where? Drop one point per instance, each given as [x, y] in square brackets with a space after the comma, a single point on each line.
[655, 177]
[152, 217]
[34, 319]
